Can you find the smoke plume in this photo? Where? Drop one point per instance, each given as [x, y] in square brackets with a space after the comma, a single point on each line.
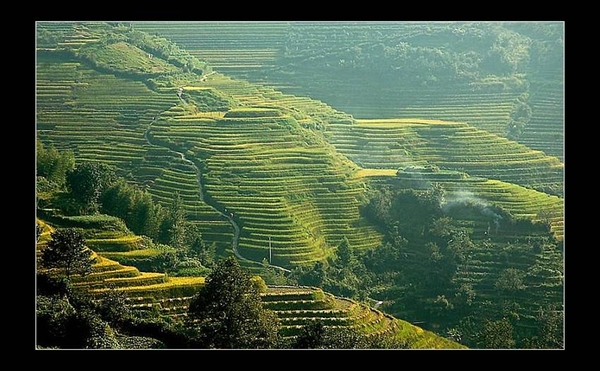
[464, 198]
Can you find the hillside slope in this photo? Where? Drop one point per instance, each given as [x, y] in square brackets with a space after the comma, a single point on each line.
[162, 141]
[170, 296]
[269, 175]
[482, 73]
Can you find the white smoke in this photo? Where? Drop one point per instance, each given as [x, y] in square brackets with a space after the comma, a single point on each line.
[464, 198]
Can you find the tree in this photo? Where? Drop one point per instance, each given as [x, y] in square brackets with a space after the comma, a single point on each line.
[38, 232]
[112, 307]
[310, 337]
[460, 246]
[311, 276]
[173, 226]
[87, 182]
[134, 205]
[317, 336]
[549, 329]
[52, 164]
[344, 338]
[52, 315]
[229, 313]
[85, 329]
[67, 250]
[510, 280]
[345, 254]
[497, 334]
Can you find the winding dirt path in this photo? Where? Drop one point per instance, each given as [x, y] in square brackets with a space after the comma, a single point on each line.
[236, 227]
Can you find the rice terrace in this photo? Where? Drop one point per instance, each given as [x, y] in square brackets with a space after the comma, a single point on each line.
[299, 185]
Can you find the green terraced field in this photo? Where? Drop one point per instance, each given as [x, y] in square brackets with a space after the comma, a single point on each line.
[280, 179]
[229, 47]
[282, 55]
[103, 118]
[314, 225]
[292, 171]
[295, 306]
[287, 178]
[399, 143]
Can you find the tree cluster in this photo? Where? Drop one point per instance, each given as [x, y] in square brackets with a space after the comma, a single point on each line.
[425, 54]
[52, 167]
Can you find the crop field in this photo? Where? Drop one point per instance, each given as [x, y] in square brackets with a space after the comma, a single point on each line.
[274, 145]
[286, 178]
[295, 306]
[279, 180]
[103, 118]
[241, 48]
[400, 143]
[545, 131]
[254, 51]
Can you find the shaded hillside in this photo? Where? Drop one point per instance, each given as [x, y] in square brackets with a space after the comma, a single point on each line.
[170, 296]
[482, 73]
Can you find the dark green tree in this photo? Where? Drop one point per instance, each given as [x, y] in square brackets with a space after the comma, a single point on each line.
[193, 239]
[85, 329]
[497, 334]
[228, 312]
[38, 232]
[67, 250]
[52, 314]
[53, 164]
[87, 182]
[173, 226]
[134, 206]
[317, 336]
[147, 215]
[345, 254]
[310, 337]
[510, 280]
[112, 307]
[344, 338]
[118, 200]
[551, 328]
[312, 276]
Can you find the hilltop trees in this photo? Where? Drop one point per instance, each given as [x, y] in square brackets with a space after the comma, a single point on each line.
[229, 311]
[67, 250]
[317, 336]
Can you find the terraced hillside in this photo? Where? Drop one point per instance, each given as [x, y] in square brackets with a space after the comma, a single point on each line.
[476, 291]
[309, 213]
[164, 145]
[238, 48]
[545, 130]
[289, 179]
[157, 289]
[400, 143]
[102, 117]
[298, 306]
[269, 175]
[326, 60]
[170, 296]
